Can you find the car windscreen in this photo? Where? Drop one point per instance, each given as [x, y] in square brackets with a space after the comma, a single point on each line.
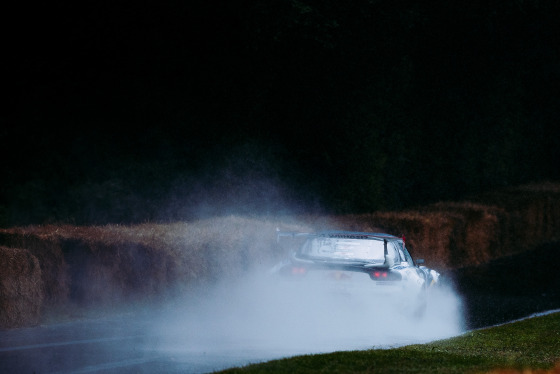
[367, 250]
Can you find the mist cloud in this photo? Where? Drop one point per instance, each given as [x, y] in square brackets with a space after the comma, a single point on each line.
[262, 318]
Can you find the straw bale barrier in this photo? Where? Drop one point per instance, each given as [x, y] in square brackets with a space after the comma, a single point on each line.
[445, 235]
[109, 265]
[451, 235]
[47, 250]
[101, 265]
[21, 294]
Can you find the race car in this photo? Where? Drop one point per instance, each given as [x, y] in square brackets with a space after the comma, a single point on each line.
[372, 265]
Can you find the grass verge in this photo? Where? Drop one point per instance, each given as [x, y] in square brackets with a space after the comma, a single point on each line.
[525, 345]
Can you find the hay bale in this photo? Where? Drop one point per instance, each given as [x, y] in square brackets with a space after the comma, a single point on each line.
[46, 247]
[480, 232]
[21, 295]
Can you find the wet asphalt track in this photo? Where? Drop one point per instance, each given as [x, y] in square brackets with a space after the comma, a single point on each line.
[122, 344]
[111, 345]
[501, 291]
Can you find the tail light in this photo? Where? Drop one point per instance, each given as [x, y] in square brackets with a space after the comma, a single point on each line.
[298, 270]
[384, 275]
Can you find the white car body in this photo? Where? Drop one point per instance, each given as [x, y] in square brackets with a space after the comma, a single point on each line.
[360, 264]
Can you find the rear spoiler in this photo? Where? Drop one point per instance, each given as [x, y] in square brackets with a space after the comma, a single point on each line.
[292, 234]
[337, 234]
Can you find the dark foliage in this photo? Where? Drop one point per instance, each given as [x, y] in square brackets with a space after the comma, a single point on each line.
[166, 110]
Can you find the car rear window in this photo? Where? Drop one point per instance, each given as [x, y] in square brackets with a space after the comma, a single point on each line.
[344, 249]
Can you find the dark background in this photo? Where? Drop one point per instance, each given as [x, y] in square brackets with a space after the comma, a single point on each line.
[157, 111]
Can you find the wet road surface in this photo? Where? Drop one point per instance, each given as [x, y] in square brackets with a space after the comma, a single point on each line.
[110, 345]
[205, 337]
[125, 345]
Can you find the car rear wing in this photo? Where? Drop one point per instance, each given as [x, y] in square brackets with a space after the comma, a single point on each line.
[292, 234]
[338, 234]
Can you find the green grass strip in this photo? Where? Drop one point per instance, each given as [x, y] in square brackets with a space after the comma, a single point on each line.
[531, 343]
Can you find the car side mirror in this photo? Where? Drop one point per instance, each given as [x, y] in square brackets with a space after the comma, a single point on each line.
[420, 261]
